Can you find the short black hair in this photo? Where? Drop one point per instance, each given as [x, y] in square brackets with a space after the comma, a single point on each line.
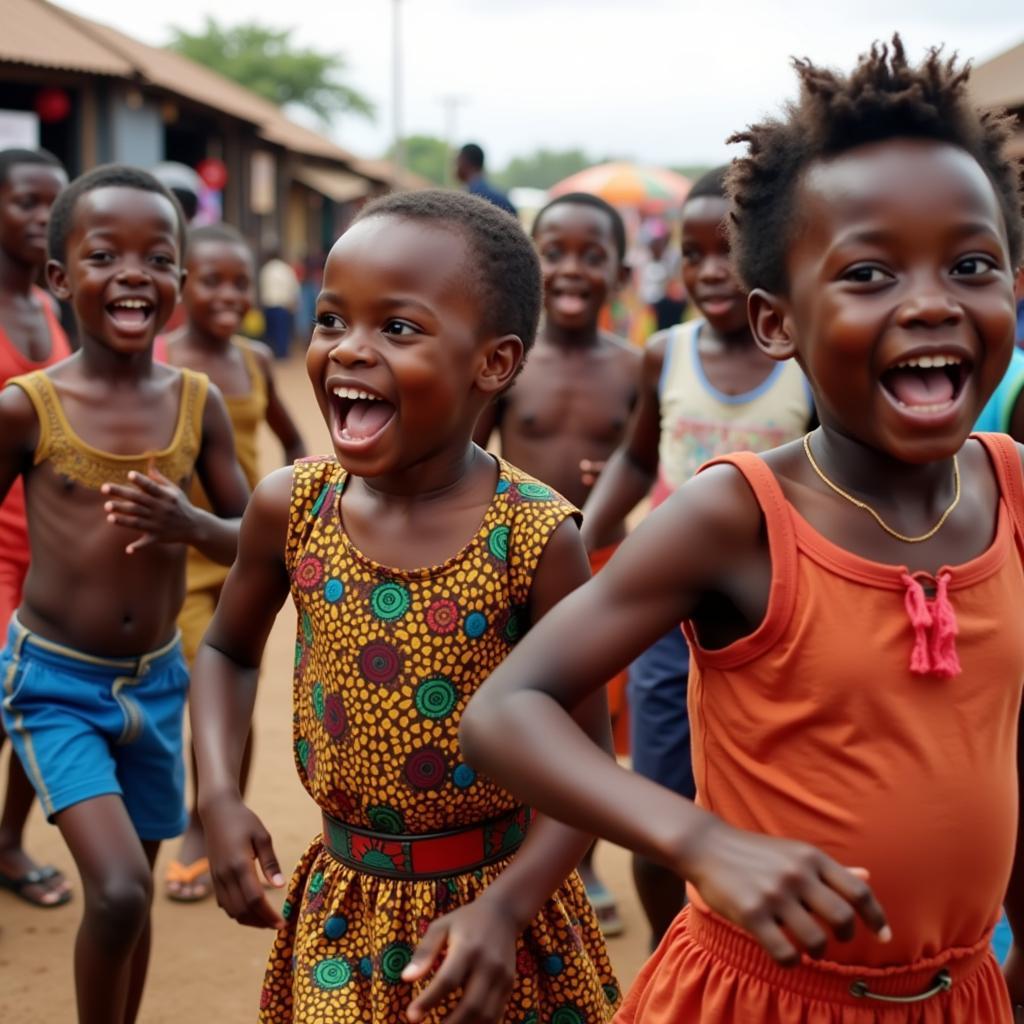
[504, 269]
[106, 176]
[473, 155]
[710, 185]
[226, 233]
[10, 158]
[884, 97]
[595, 203]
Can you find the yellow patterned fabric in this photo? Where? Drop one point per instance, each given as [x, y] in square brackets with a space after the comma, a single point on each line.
[79, 461]
[385, 663]
[246, 412]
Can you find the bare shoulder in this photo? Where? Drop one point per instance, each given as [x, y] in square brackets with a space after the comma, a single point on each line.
[654, 353]
[265, 523]
[18, 419]
[624, 353]
[262, 353]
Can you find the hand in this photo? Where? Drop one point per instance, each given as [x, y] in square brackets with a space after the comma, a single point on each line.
[590, 470]
[1013, 972]
[780, 890]
[235, 840]
[480, 957]
[152, 505]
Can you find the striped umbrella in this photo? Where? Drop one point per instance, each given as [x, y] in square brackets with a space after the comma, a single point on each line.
[647, 189]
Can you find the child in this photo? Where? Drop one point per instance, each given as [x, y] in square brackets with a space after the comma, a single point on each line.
[707, 390]
[30, 338]
[569, 409]
[216, 296]
[850, 599]
[94, 681]
[415, 561]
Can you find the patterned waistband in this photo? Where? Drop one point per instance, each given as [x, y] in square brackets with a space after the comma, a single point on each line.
[457, 851]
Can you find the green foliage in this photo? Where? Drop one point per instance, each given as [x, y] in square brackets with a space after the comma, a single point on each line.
[543, 168]
[426, 155]
[266, 61]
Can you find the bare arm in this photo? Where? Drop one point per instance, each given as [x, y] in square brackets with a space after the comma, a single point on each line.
[520, 731]
[221, 700]
[279, 419]
[630, 472]
[19, 434]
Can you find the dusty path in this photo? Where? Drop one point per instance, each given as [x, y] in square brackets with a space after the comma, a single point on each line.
[204, 967]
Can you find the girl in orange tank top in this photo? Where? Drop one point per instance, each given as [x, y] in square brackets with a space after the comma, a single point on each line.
[849, 599]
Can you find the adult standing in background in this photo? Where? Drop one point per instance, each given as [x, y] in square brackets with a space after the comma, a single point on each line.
[279, 296]
[469, 169]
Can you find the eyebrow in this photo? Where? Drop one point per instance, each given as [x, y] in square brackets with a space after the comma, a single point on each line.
[963, 229]
[388, 302]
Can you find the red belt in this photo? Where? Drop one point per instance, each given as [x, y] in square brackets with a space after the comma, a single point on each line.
[427, 855]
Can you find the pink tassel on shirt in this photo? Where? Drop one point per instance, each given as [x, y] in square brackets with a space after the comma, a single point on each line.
[935, 629]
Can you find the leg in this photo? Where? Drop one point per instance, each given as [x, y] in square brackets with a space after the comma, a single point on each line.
[660, 741]
[140, 961]
[118, 885]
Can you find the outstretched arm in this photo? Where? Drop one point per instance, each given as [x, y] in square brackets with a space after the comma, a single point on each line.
[520, 731]
[19, 434]
[221, 700]
[629, 474]
[279, 419]
[480, 938]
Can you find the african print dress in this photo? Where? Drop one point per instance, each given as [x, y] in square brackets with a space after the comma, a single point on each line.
[385, 663]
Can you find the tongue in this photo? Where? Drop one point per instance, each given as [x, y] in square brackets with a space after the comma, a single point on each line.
[365, 418]
[126, 315]
[921, 387]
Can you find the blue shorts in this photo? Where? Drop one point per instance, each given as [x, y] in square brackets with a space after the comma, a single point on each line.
[84, 727]
[659, 735]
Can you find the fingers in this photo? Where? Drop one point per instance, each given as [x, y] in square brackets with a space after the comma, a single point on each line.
[448, 978]
[267, 858]
[143, 542]
[802, 927]
[427, 951]
[484, 1000]
[771, 936]
[856, 891]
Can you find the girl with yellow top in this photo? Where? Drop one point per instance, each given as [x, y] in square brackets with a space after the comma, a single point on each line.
[217, 294]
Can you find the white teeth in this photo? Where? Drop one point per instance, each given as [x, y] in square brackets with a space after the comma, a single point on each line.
[356, 395]
[934, 407]
[929, 362]
[132, 304]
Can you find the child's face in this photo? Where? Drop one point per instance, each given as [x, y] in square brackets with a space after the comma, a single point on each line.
[707, 265]
[25, 201]
[900, 299]
[397, 354]
[218, 290]
[579, 262]
[122, 266]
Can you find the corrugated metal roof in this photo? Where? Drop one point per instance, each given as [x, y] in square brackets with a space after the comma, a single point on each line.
[341, 186]
[43, 35]
[999, 82]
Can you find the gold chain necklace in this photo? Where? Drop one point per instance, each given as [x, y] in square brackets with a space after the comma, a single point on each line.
[878, 519]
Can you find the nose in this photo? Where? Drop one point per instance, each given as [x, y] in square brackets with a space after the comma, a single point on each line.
[354, 348]
[714, 269]
[132, 269]
[930, 305]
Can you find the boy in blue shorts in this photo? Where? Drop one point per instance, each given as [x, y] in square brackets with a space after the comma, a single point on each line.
[93, 678]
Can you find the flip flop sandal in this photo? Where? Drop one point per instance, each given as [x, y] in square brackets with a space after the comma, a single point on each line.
[187, 874]
[35, 877]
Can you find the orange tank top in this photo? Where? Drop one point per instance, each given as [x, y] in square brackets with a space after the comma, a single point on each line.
[814, 727]
[13, 362]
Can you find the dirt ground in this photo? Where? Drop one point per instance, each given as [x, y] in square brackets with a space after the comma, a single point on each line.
[205, 967]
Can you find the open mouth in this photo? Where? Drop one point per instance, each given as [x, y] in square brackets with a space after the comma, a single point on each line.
[360, 416]
[130, 314]
[569, 303]
[716, 305]
[927, 384]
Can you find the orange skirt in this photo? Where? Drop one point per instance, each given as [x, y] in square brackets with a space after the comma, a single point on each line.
[618, 706]
[706, 970]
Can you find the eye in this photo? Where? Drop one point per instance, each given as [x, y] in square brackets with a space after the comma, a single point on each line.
[100, 256]
[867, 273]
[691, 256]
[401, 328]
[973, 266]
[329, 322]
[162, 259]
[551, 253]
[595, 257]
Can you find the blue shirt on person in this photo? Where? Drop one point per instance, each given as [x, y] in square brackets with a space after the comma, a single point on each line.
[480, 186]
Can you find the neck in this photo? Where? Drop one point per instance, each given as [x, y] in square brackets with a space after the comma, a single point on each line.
[16, 278]
[569, 337]
[742, 337]
[874, 476]
[193, 336]
[437, 476]
[99, 360]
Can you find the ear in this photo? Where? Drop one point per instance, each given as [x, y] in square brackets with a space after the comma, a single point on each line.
[625, 272]
[500, 360]
[57, 280]
[771, 324]
[181, 281]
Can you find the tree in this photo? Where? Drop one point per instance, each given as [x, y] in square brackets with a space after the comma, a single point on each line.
[426, 155]
[266, 61]
[543, 168]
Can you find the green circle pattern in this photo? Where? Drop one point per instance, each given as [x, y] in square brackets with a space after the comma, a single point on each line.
[318, 699]
[394, 959]
[611, 993]
[567, 1015]
[333, 973]
[497, 542]
[316, 883]
[389, 601]
[537, 492]
[386, 819]
[436, 698]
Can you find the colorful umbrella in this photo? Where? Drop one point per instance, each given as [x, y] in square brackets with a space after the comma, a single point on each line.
[648, 189]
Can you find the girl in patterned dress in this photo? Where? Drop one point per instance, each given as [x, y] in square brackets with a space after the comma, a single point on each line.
[415, 561]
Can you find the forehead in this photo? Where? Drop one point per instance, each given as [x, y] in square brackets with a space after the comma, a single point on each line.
[219, 250]
[705, 214]
[121, 208]
[576, 219]
[897, 186]
[35, 177]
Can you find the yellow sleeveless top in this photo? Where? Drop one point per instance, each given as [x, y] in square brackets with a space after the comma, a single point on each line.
[246, 413]
[91, 467]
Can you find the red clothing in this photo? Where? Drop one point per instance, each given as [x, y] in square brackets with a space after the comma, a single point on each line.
[815, 727]
[13, 529]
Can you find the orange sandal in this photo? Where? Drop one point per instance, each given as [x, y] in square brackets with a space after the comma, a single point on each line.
[179, 874]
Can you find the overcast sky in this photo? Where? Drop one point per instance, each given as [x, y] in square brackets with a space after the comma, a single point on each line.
[663, 81]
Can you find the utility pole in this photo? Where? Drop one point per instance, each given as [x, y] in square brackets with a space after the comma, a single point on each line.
[451, 106]
[398, 148]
